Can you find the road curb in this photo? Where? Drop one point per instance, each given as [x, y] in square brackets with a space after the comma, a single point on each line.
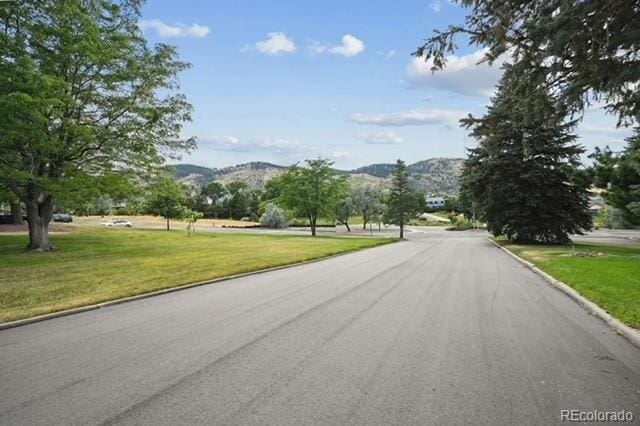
[67, 312]
[629, 333]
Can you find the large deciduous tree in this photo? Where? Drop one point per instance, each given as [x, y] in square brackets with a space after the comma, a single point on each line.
[619, 176]
[312, 191]
[581, 48]
[82, 94]
[403, 202]
[522, 177]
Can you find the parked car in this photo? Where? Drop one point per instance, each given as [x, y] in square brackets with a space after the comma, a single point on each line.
[118, 223]
[62, 217]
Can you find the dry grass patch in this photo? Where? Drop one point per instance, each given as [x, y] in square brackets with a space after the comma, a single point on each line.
[158, 222]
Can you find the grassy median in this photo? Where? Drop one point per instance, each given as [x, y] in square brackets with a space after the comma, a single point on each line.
[606, 275]
[96, 265]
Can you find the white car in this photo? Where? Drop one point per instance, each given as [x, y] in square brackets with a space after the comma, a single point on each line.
[118, 223]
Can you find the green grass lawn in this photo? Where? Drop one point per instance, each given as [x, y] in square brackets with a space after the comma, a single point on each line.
[606, 275]
[95, 265]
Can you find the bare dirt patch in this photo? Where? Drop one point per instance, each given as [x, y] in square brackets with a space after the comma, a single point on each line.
[158, 222]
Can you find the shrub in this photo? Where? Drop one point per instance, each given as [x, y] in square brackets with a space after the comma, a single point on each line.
[273, 217]
[612, 218]
[459, 223]
[461, 226]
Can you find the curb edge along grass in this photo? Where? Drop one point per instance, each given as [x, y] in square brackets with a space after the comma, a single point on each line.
[72, 311]
[616, 325]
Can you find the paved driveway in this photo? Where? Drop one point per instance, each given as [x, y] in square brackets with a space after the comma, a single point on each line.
[441, 329]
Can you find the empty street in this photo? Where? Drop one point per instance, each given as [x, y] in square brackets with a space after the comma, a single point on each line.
[441, 329]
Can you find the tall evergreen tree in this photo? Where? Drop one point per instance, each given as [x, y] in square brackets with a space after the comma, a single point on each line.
[403, 202]
[520, 176]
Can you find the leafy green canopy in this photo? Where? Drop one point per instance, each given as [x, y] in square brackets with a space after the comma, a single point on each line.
[312, 191]
[580, 47]
[619, 175]
[344, 209]
[367, 202]
[520, 178]
[168, 199]
[83, 96]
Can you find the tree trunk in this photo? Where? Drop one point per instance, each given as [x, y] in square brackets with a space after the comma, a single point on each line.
[39, 212]
[16, 213]
[168, 228]
[312, 222]
[402, 231]
[347, 225]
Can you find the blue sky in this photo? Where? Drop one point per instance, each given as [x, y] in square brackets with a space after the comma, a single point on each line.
[288, 80]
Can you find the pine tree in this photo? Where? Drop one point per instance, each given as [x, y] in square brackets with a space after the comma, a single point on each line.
[403, 203]
[521, 175]
[583, 49]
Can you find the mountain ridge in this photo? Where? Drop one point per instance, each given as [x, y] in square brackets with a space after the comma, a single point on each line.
[438, 175]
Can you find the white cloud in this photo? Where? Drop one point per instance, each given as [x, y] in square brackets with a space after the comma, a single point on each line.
[259, 145]
[436, 5]
[224, 142]
[351, 46]
[276, 44]
[384, 137]
[414, 117]
[462, 74]
[284, 149]
[177, 30]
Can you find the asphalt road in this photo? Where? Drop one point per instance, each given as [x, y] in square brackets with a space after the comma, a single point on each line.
[616, 237]
[441, 329]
